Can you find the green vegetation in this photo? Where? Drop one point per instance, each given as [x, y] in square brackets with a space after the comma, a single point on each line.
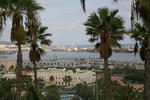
[12, 68]
[75, 98]
[31, 95]
[132, 75]
[52, 93]
[21, 12]
[2, 67]
[140, 34]
[40, 83]
[51, 78]
[7, 87]
[120, 92]
[27, 68]
[126, 92]
[6, 91]
[136, 76]
[141, 8]
[85, 91]
[67, 79]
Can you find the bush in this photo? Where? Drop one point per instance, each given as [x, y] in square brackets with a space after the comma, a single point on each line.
[75, 98]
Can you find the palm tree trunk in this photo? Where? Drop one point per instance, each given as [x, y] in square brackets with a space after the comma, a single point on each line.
[19, 73]
[149, 39]
[108, 88]
[35, 76]
[147, 71]
[147, 76]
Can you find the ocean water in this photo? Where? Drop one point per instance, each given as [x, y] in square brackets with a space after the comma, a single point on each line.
[62, 55]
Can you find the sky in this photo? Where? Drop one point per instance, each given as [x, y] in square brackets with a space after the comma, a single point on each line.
[65, 19]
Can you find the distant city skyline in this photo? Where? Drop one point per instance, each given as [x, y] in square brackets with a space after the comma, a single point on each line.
[65, 20]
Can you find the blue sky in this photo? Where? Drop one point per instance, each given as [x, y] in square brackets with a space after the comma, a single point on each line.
[65, 19]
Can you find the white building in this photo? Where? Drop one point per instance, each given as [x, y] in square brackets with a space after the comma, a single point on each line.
[9, 75]
[80, 76]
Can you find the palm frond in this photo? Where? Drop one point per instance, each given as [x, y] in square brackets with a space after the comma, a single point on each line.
[138, 32]
[114, 12]
[115, 43]
[46, 42]
[103, 13]
[42, 29]
[106, 28]
[41, 51]
[92, 40]
[97, 45]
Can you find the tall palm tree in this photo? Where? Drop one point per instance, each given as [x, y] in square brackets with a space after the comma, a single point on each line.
[18, 35]
[36, 52]
[140, 33]
[105, 28]
[16, 10]
[32, 28]
[141, 9]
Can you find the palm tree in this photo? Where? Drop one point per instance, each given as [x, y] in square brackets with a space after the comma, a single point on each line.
[140, 33]
[2, 67]
[16, 9]
[141, 9]
[36, 52]
[11, 68]
[32, 95]
[67, 79]
[105, 28]
[51, 78]
[18, 35]
[32, 16]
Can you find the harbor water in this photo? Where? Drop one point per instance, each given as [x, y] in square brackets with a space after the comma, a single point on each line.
[59, 55]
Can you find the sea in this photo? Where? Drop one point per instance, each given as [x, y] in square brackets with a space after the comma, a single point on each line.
[65, 55]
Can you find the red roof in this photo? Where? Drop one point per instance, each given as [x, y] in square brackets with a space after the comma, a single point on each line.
[99, 76]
